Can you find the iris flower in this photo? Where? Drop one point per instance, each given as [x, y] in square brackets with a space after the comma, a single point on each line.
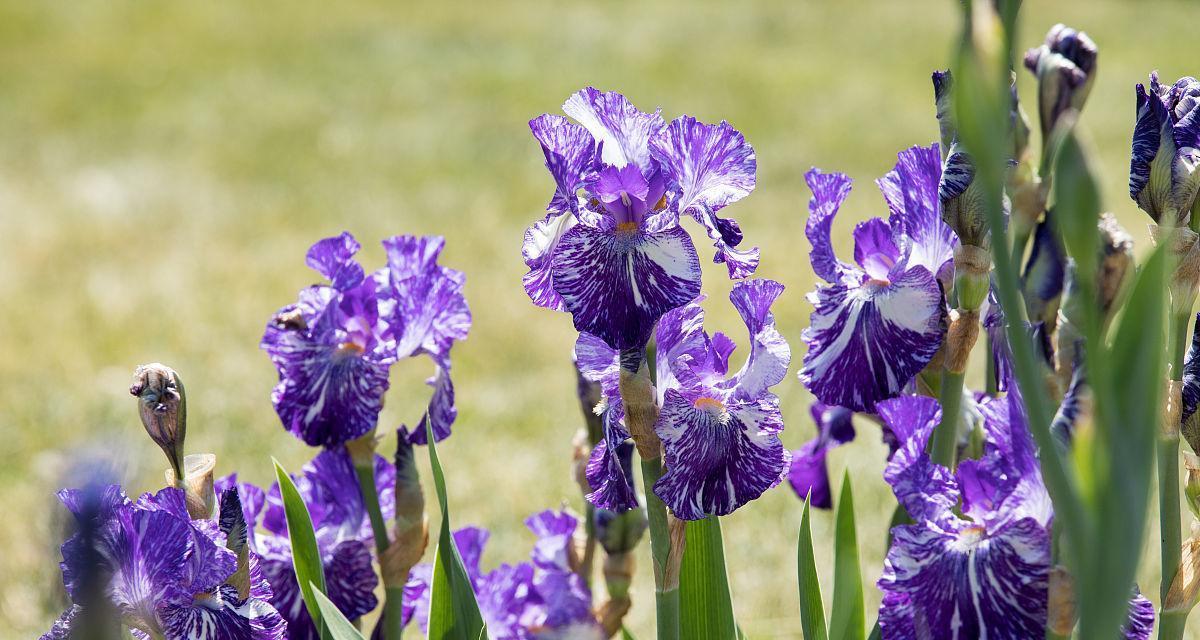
[335, 346]
[610, 249]
[808, 474]
[984, 573]
[167, 575]
[879, 321]
[540, 599]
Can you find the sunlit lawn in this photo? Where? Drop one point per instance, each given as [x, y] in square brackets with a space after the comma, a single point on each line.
[164, 166]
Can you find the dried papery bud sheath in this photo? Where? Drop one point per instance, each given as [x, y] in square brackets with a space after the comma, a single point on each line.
[362, 450]
[618, 574]
[162, 406]
[197, 484]
[1183, 244]
[611, 615]
[641, 409]
[961, 338]
[1061, 605]
[411, 532]
[1185, 587]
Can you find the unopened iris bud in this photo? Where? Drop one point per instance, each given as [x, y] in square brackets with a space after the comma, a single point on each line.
[1191, 488]
[412, 527]
[620, 532]
[1045, 272]
[962, 199]
[162, 405]
[1164, 168]
[1116, 257]
[1184, 246]
[1065, 66]
[943, 86]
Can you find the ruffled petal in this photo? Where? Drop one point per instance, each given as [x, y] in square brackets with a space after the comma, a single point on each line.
[541, 244]
[423, 302]
[680, 340]
[957, 582]
[718, 457]
[334, 259]
[829, 190]
[442, 410]
[617, 284]
[1191, 375]
[808, 474]
[554, 531]
[911, 192]
[710, 167]
[609, 470]
[570, 153]
[1140, 625]
[770, 354]
[622, 132]
[598, 362]
[220, 615]
[865, 343]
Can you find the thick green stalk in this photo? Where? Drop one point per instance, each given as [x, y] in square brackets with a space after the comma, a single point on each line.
[393, 597]
[945, 437]
[666, 596]
[1170, 529]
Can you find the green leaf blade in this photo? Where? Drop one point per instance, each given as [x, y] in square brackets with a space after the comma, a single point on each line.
[812, 612]
[306, 556]
[848, 618]
[339, 627]
[705, 602]
[453, 611]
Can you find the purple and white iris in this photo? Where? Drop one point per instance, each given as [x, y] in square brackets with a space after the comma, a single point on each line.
[540, 599]
[984, 573]
[167, 576]
[878, 322]
[808, 474]
[1163, 170]
[335, 346]
[610, 249]
[720, 435]
[329, 488]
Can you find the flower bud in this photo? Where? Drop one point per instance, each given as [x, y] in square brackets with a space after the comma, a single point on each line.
[1045, 272]
[1183, 245]
[620, 532]
[1065, 67]
[1116, 257]
[1164, 167]
[412, 527]
[962, 199]
[1191, 487]
[972, 275]
[162, 405]
[943, 87]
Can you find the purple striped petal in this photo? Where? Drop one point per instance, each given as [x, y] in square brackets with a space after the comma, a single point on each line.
[555, 531]
[710, 167]
[875, 250]
[621, 131]
[958, 582]
[570, 153]
[441, 411]
[718, 456]
[334, 259]
[829, 190]
[221, 615]
[911, 192]
[423, 301]
[866, 343]
[808, 474]
[1164, 172]
[680, 340]
[618, 283]
[349, 578]
[1140, 625]
[1191, 375]
[609, 470]
[540, 247]
[770, 354]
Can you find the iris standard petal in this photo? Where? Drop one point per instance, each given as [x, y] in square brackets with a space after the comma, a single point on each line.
[622, 132]
[570, 153]
[334, 259]
[911, 192]
[829, 190]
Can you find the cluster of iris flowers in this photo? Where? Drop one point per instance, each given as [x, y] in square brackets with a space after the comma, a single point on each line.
[975, 550]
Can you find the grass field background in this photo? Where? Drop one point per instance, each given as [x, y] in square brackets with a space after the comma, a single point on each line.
[164, 167]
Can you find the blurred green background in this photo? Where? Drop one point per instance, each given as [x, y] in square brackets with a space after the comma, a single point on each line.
[164, 167]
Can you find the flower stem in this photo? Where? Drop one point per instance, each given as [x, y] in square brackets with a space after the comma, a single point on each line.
[945, 437]
[1170, 529]
[393, 597]
[666, 596]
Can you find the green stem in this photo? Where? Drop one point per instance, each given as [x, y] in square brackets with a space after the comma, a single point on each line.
[666, 599]
[945, 438]
[393, 597]
[1170, 529]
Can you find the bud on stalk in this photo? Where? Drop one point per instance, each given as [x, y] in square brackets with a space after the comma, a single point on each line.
[162, 406]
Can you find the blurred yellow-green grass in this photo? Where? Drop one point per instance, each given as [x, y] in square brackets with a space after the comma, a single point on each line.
[164, 166]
